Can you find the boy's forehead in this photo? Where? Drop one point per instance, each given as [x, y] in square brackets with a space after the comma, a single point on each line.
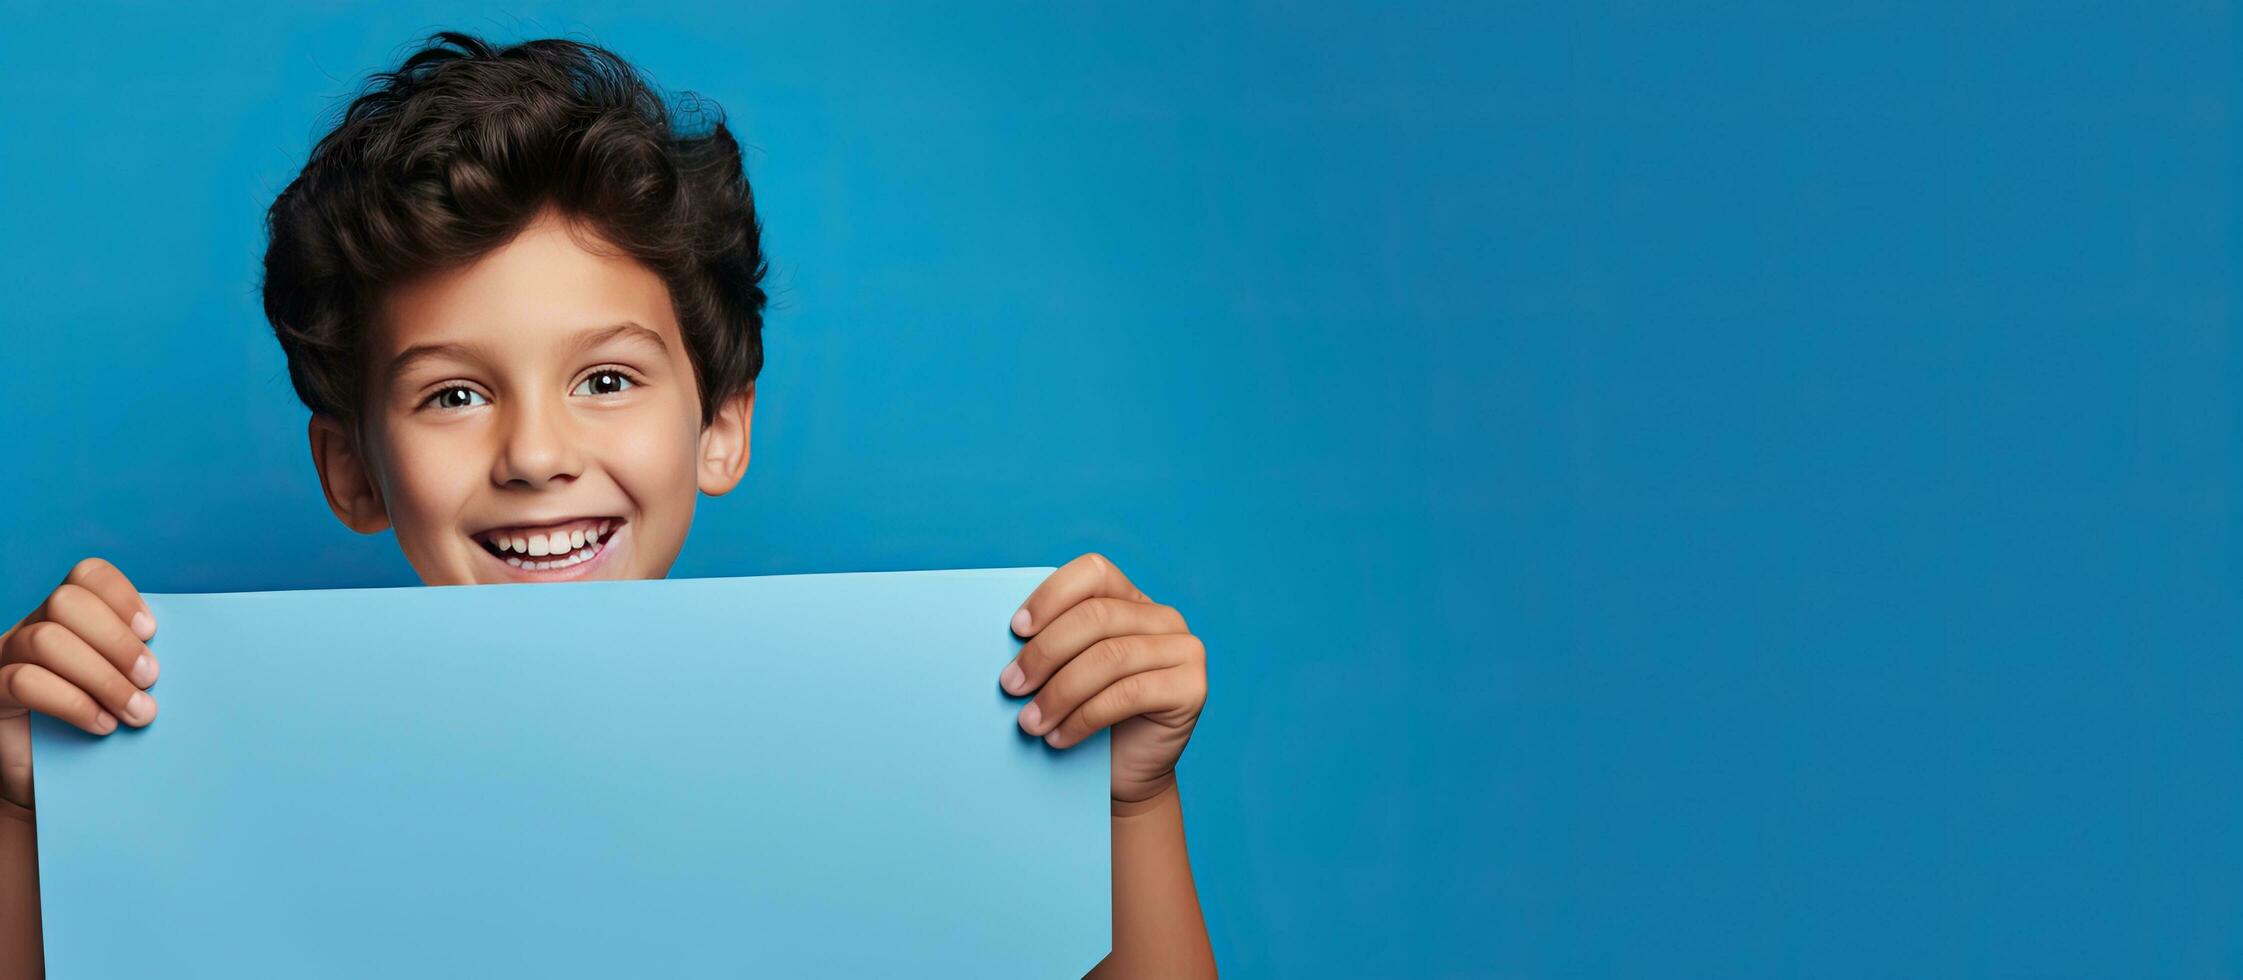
[542, 287]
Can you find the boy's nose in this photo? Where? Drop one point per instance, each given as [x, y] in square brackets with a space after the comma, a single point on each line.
[537, 449]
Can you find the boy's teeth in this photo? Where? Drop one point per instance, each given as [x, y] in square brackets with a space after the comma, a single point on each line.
[573, 558]
[557, 543]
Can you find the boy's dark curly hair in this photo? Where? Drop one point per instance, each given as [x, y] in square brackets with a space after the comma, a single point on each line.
[448, 157]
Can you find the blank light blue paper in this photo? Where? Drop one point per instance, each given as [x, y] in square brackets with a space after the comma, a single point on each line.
[800, 775]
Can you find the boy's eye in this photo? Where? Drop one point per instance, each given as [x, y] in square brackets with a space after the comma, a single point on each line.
[456, 397]
[603, 383]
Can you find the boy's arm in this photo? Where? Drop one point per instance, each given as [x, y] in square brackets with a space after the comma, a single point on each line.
[19, 894]
[1158, 931]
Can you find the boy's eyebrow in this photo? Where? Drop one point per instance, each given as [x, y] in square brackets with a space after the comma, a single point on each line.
[587, 340]
[422, 352]
[595, 337]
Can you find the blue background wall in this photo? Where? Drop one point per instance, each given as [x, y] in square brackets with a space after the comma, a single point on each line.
[1743, 492]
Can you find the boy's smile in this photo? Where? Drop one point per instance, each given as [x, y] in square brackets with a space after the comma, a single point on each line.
[533, 416]
[548, 551]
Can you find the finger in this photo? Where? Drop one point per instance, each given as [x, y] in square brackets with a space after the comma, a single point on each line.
[1148, 693]
[1100, 667]
[37, 688]
[1089, 575]
[1077, 628]
[115, 589]
[61, 652]
[79, 610]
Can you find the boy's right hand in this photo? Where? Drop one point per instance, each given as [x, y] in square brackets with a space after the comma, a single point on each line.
[81, 656]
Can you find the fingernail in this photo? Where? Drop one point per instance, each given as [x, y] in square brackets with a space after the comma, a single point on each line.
[1052, 739]
[144, 670]
[1031, 717]
[104, 722]
[1013, 677]
[140, 709]
[1020, 622]
[144, 625]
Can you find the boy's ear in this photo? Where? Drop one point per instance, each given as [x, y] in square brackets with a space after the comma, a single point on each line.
[724, 444]
[349, 483]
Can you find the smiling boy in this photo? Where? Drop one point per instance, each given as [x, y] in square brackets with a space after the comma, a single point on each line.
[522, 300]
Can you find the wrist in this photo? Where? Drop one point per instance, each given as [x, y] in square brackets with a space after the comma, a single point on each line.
[1162, 797]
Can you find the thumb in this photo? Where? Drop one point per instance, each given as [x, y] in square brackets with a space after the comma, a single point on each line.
[15, 756]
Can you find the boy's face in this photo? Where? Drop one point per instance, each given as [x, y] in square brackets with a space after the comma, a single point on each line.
[533, 417]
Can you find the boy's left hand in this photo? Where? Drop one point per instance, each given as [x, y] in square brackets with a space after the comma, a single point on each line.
[1102, 654]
